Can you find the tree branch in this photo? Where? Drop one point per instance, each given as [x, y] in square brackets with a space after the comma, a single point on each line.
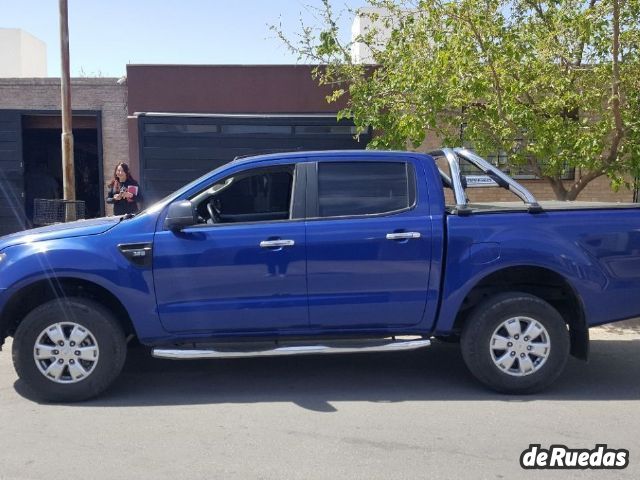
[582, 182]
[557, 186]
[489, 56]
[615, 87]
[580, 52]
[538, 8]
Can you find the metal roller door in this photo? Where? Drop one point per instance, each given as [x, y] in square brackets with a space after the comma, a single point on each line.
[175, 149]
[12, 216]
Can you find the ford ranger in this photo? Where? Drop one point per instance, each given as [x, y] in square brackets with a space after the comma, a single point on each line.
[322, 252]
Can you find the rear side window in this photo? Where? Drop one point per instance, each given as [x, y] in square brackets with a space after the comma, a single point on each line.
[364, 188]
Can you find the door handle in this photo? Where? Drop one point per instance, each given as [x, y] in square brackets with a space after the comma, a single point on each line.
[277, 243]
[402, 235]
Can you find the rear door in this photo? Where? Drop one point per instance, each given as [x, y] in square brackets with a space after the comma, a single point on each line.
[368, 243]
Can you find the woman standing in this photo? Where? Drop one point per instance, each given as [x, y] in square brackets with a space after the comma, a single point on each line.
[124, 191]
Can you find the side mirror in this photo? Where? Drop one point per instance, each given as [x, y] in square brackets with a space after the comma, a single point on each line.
[180, 215]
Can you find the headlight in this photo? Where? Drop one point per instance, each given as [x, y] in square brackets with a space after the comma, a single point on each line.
[2, 256]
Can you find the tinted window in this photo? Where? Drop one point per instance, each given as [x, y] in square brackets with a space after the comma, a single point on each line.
[325, 130]
[265, 192]
[258, 195]
[179, 128]
[361, 188]
[251, 129]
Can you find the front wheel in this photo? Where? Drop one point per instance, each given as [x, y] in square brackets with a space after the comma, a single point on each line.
[515, 343]
[69, 350]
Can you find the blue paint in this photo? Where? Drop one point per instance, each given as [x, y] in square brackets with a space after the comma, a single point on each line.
[341, 276]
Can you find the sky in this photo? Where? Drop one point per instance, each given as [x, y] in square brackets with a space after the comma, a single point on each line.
[105, 35]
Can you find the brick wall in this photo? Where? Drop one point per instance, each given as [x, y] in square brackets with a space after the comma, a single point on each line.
[97, 94]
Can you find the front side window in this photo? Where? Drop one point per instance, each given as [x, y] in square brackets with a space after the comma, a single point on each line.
[258, 195]
[364, 188]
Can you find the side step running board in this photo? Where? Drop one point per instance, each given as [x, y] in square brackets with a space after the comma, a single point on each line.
[388, 346]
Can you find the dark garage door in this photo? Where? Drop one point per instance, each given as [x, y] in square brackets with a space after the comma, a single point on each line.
[177, 149]
[12, 216]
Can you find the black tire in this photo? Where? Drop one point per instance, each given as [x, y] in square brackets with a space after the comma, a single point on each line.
[477, 347]
[103, 326]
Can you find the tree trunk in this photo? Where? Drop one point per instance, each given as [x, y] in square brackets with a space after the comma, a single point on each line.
[581, 183]
[558, 187]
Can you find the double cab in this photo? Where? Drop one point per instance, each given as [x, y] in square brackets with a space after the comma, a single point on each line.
[322, 252]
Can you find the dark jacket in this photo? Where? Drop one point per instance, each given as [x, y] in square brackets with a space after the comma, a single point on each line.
[121, 207]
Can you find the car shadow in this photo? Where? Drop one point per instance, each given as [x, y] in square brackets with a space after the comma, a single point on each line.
[315, 382]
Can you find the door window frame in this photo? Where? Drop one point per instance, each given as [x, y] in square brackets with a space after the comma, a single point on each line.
[313, 198]
[297, 205]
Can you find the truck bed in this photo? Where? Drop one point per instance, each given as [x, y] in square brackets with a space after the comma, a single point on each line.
[555, 205]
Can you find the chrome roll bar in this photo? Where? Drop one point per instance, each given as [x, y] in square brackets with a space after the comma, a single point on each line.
[456, 179]
[525, 195]
[494, 177]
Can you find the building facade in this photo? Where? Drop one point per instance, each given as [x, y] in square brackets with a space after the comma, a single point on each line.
[30, 129]
[22, 55]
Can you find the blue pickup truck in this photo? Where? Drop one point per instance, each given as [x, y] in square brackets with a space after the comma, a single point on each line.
[322, 252]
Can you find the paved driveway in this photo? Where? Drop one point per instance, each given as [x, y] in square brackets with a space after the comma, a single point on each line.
[367, 416]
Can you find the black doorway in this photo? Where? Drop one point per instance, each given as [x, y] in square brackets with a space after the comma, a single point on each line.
[43, 162]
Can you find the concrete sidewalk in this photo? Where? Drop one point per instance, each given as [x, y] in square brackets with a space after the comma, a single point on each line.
[628, 329]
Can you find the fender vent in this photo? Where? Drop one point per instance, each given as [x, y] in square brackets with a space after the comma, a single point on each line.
[140, 254]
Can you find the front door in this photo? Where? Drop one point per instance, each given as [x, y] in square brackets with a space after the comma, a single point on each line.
[243, 268]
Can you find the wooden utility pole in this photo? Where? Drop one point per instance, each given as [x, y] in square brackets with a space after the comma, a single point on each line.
[68, 172]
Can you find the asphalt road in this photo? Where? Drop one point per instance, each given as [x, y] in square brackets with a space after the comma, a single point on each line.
[367, 416]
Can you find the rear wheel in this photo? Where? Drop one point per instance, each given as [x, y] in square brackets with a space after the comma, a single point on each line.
[69, 350]
[515, 343]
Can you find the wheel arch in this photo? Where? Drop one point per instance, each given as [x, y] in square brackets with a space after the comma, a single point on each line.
[30, 296]
[541, 282]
